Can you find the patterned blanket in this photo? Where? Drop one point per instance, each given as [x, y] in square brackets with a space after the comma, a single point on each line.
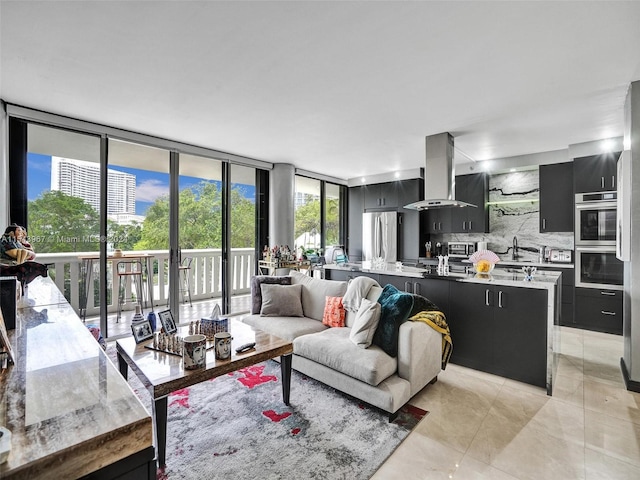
[437, 320]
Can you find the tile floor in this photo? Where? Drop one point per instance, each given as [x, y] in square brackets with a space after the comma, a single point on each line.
[482, 426]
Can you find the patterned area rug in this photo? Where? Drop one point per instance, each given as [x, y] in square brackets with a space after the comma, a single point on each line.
[236, 426]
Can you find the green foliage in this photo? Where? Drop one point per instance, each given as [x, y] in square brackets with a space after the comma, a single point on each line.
[307, 219]
[200, 210]
[62, 223]
[124, 237]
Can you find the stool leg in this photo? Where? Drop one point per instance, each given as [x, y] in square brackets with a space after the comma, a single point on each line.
[188, 281]
[139, 292]
[120, 298]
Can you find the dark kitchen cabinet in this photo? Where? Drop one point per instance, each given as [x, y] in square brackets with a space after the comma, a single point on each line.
[557, 199]
[436, 290]
[439, 220]
[599, 309]
[354, 230]
[500, 330]
[382, 196]
[473, 189]
[568, 286]
[595, 173]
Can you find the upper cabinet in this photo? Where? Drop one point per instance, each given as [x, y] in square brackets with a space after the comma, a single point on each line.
[381, 196]
[596, 173]
[556, 197]
[473, 189]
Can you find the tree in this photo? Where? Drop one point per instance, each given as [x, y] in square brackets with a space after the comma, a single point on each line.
[200, 208]
[62, 223]
[124, 237]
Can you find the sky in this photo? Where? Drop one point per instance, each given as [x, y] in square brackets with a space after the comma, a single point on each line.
[149, 185]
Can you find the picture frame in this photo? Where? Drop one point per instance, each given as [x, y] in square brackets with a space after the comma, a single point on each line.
[142, 331]
[167, 322]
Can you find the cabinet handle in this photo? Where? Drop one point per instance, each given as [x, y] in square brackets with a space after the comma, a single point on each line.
[544, 223]
[407, 287]
[439, 225]
[434, 226]
[486, 297]
[601, 182]
[416, 288]
[464, 225]
[604, 312]
[470, 223]
[500, 299]
[613, 181]
[611, 294]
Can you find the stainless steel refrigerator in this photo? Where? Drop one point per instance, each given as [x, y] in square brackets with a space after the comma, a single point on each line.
[380, 236]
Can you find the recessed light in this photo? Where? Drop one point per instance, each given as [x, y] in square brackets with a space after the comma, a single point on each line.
[607, 146]
[364, 179]
[397, 174]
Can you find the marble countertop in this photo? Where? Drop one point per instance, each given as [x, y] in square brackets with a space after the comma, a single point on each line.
[68, 408]
[513, 277]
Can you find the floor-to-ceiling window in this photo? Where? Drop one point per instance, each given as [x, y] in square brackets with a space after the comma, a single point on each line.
[319, 214]
[132, 194]
[307, 221]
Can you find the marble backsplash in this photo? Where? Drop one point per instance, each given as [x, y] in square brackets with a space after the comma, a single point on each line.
[516, 213]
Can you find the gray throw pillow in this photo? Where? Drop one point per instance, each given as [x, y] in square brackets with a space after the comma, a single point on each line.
[256, 292]
[365, 324]
[281, 300]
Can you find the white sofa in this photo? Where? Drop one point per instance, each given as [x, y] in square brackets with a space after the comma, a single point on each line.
[329, 356]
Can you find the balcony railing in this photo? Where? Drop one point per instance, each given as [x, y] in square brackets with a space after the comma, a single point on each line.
[205, 276]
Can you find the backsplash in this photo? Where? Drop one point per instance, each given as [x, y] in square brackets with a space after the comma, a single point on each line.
[516, 212]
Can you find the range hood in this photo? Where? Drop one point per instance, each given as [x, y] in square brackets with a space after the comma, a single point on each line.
[439, 175]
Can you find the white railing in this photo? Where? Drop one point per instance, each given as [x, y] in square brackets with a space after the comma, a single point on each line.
[205, 276]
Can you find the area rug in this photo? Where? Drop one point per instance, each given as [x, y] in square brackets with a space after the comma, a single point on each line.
[236, 426]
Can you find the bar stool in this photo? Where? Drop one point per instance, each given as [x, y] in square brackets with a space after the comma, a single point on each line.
[131, 270]
[185, 279]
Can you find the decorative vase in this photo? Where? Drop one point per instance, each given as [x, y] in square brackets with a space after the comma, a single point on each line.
[138, 317]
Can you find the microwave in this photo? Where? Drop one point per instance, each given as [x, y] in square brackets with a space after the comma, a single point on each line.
[461, 249]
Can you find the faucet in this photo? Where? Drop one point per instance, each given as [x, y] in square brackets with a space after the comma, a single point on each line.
[514, 253]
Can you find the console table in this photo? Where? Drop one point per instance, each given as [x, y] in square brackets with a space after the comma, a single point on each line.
[70, 412]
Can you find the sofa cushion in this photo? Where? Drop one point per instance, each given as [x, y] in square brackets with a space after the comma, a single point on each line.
[333, 312]
[256, 292]
[281, 300]
[333, 349]
[373, 295]
[314, 292]
[357, 289]
[365, 324]
[395, 309]
[287, 328]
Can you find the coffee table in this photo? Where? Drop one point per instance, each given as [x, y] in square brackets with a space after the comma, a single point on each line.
[163, 373]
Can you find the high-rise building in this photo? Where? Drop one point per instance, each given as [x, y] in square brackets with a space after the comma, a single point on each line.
[82, 179]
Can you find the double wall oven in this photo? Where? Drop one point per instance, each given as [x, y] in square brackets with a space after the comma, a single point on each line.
[595, 242]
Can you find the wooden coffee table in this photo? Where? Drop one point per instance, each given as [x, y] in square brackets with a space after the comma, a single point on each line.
[163, 373]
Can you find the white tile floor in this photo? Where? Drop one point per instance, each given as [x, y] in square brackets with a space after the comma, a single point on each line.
[482, 426]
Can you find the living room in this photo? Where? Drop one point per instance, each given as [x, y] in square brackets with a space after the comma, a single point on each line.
[345, 93]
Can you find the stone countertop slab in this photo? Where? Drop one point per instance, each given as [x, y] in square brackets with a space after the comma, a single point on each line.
[68, 408]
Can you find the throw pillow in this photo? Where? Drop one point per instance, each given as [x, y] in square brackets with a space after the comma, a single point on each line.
[256, 292]
[365, 324]
[281, 300]
[333, 312]
[421, 304]
[395, 307]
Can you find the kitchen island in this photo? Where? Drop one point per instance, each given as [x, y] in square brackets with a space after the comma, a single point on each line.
[500, 322]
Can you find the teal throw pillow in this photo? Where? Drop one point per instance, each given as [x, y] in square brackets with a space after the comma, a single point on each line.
[395, 309]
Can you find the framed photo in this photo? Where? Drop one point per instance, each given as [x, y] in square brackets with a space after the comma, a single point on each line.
[142, 331]
[166, 319]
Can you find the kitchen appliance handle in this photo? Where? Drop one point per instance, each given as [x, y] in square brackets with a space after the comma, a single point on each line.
[604, 312]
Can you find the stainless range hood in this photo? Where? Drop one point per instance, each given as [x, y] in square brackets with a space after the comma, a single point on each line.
[439, 176]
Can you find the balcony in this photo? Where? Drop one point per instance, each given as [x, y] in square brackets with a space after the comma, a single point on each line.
[205, 278]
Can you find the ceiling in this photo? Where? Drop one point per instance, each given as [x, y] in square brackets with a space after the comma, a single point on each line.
[345, 89]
